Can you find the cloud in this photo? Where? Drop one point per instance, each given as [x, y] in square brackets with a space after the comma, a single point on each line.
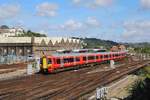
[93, 3]
[72, 25]
[47, 9]
[92, 21]
[145, 4]
[9, 11]
[76, 1]
[137, 30]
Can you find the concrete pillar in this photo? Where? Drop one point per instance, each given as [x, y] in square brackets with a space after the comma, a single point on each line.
[112, 62]
[37, 59]
[29, 69]
[101, 93]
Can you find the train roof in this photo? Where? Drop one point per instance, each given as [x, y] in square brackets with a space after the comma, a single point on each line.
[78, 54]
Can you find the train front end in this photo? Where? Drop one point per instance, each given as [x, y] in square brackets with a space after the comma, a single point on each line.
[46, 64]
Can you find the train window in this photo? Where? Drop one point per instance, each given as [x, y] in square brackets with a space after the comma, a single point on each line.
[77, 59]
[71, 59]
[68, 60]
[58, 61]
[84, 58]
[116, 55]
[49, 61]
[97, 57]
[91, 57]
[109, 56]
[113, 55]
[105, 56]
[101, 56]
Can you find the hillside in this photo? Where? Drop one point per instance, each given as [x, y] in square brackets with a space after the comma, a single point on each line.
[97, 43]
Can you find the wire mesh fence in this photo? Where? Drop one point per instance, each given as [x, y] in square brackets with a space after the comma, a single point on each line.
[11, 59]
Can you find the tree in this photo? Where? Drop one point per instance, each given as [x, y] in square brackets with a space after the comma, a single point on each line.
[29, 33]
[4, 27]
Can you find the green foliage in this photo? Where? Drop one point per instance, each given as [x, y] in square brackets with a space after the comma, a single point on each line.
[145, 72]
[4, 27]
[97, 43]
[140, 90]
[31, 34]
[142, 50]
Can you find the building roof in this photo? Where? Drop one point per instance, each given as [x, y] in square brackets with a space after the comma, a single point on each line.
[78, 54]
[15, 39]
[37, 40]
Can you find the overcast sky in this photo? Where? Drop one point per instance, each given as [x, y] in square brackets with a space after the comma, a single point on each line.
[118, 20]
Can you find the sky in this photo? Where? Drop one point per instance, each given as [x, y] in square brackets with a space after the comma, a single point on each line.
[117, 20]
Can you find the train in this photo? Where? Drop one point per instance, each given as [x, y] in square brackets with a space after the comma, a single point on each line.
[57, 61]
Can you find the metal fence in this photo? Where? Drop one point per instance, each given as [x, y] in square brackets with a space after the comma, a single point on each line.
[10, 59]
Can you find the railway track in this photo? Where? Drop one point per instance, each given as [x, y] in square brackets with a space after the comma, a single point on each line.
[64, 85]
[7, 68]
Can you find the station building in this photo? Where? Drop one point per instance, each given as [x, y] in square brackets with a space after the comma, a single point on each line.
[24, 46]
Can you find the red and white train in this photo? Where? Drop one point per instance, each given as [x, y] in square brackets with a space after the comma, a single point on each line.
[66, 60]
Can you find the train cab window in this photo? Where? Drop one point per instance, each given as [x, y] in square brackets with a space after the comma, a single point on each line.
[58, 61]
[49, 61]
[91, 57]
[77, 59]
[41, 61]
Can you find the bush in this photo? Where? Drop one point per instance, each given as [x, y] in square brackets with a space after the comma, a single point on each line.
[140, 90]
